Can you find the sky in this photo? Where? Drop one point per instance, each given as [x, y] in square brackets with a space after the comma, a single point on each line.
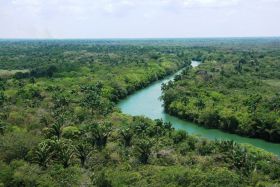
[138, 18]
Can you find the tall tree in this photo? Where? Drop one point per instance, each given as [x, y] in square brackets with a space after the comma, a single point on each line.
[99, 134]
[2, 98]
[143, 150]
[92, 97]
[252, 102]
[126, 135]
[65, 152]
[43, 153]
[83, 151]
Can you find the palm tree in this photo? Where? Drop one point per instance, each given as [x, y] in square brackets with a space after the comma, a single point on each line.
[92, 97]
[61, 107]
[252, 102]
[2, 85]
[126, 135]
[200, 104]
[238, 156]
[2, 98]
[83, 151]
[56, 130]
[242, 160]
[43, 153]
[2, 127]
[168, 128]
[99, 134]
[141, 128]
[65, 152]
[274, 103]
[143, 150]
[226, 146]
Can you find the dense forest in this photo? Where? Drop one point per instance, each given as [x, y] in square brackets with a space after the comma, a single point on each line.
[236, 90]
[59, 124]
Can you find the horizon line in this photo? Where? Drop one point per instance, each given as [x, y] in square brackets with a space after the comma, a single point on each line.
[146, 38]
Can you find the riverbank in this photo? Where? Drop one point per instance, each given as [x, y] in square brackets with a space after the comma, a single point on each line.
[151, 79]
[146, 102]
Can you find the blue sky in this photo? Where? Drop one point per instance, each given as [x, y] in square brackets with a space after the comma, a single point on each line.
[138, 18]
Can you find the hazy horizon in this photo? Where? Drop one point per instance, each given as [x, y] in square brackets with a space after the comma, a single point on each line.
[132, 19]
[167, 38]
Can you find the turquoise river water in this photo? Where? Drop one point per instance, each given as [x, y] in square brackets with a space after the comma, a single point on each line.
[146, 103]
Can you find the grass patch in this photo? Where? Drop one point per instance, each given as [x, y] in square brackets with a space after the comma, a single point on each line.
[10, 73]
[272, 82]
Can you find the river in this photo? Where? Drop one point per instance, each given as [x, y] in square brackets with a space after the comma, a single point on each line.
[146, 102]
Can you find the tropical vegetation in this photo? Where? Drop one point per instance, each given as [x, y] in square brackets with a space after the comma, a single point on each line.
[59, 124]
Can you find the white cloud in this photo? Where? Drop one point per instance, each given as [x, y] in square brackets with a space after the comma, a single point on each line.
[136, 18]
[26, 2]
[114, 5]
[210, 3]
